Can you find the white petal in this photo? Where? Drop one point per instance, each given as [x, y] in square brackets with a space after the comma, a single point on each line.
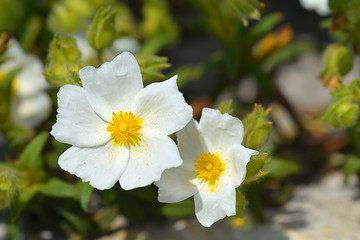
[31, 111]
[30, 79]
[113, 86]
[211, 206]
[174, 185]
[220, 131]
[102, 166]
[155, 153]
[77, 123]
[236, 160]
[162, 107]
[191, 144]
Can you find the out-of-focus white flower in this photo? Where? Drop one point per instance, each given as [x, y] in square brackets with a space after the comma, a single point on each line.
[30, 104]
[321, 7]
[214, 165]
[119, 129]
[124, 44]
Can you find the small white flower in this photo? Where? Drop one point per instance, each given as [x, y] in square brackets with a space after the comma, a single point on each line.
[214, 165]
[321, 7]
[119, 129]
[30, 104]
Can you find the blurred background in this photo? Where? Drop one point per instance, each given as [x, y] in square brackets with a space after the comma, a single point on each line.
[288, 69]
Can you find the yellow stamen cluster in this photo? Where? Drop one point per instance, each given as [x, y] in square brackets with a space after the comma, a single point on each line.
[209, 167]
[125, 129]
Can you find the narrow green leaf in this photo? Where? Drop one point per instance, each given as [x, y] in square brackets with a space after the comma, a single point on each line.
[240, 203]
[85, 193]
[58, 188]
[30, 158]
[226, 107]
[351, 166]
[279, 168]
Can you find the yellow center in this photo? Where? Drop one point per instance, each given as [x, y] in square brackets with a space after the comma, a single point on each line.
[209, 167]
[125, 129]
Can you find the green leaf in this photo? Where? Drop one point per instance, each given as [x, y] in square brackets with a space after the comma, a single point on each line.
[85, 193]
[342, 113]
[30, 158]
[244, 9]
[254, 167]
[151, 66]
[240, 203]
[337, 61]
[286, 53]
[226, 107]
[9, 185]
[178, 210]
[351, 166]
[58, 188]
[102, 31]
[65, 62]
[256, 128]
[280, 168]
[266, 24]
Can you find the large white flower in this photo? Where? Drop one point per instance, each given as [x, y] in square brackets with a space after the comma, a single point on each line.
[320, 6]
[214, 165]
[30, 104]
[119, 129]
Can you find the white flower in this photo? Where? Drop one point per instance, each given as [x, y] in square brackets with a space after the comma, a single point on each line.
[119, 129]
[30, 104]
[320, 6]
[214, 165]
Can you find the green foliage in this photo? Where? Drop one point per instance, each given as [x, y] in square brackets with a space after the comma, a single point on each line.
[226, 107]
[30, 159]
[286, 54]
[240, 203]
[256, 128]
[65, 62]
[85, 193]
[345, 109]
[8, 185]
[69, 16]
[254, 167]
[151, 66]
[337, 61]
[244, 10]
[342, 113]
[102, 32]
[351, 166]
[280, 168]
[157, 28]
[58, 188]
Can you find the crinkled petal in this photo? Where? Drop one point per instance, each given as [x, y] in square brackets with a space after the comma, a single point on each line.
[155, 153]
[113, 86]
[77, 123]
[162, 107]
[220, 131]
[191, 144]
[174, 185]
[211, 206]
[31, 111]
[102, 166]
[236, 160]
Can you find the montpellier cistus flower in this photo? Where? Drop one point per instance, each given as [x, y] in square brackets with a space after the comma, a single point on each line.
[214, 164]
[117, 128]
[30, 104]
